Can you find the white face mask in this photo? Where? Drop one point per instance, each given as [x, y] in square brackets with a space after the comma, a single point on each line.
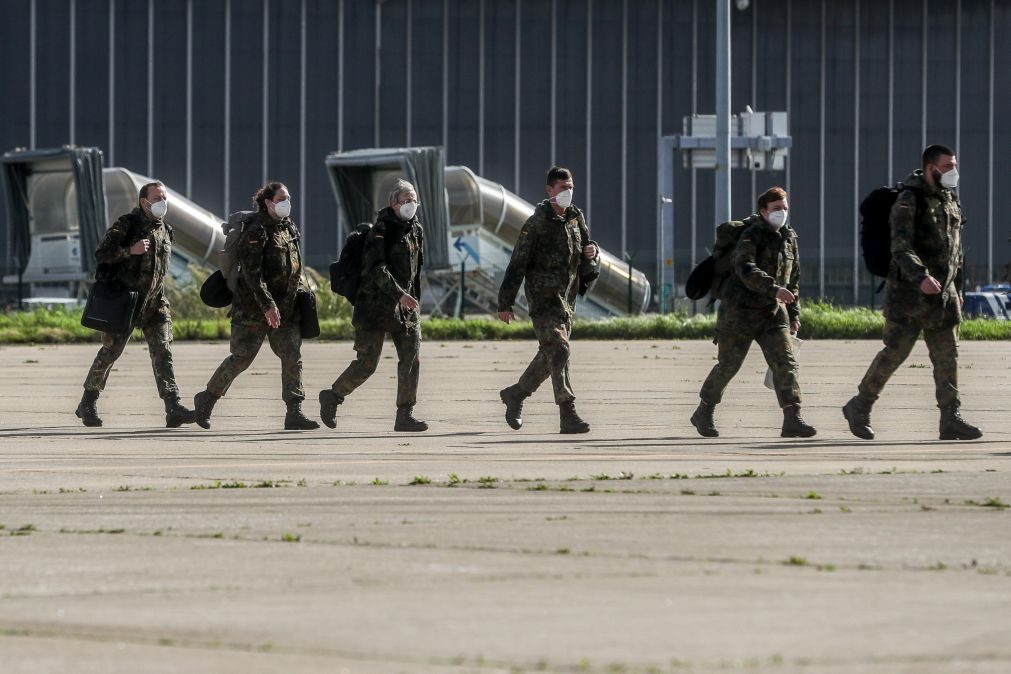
[159, 208]
[564, 198]
[777, 218]
[950, 179]
[408, 209]
[282, 209]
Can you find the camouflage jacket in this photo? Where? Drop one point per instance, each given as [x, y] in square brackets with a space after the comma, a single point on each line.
[926, 226]
[765, 261]
[546, 256]
[391, 268]
[270, 270]
[143, 273]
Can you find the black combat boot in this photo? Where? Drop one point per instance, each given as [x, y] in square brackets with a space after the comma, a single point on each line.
[87, 410]
[794, 425]
[294, 420]
[203, 404]
[570, 421]
[513, 397]
[406, 423]
[328, 402]
[176, 415]
[954, 427]
[858, 413]
[702, 420]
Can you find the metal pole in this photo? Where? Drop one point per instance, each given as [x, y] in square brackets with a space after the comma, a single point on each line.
[722, 210]
[463, 288]
[628, 258]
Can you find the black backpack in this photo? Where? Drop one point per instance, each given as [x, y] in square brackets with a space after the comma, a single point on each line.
[710, 274]
[346, 272]
[875, 226]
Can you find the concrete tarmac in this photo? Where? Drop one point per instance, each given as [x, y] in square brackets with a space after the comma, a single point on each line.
[639, 547]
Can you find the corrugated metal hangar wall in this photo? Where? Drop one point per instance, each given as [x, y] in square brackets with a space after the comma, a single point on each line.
[216, 96]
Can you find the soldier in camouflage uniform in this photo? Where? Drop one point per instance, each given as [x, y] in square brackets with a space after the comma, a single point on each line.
[264, 306]
[387, 302]
[137, 248]
[760, 303]
[548, 255]
[924, 293]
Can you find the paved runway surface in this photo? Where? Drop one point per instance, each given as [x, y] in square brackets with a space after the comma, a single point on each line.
[639, 547]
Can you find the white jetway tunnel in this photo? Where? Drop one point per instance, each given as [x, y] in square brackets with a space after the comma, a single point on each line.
[481, 214]
[60, 202]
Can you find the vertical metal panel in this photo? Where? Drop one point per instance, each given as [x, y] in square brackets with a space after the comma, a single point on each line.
[891, 90]
[754, 84]
[265, 91]
[923, 77]
[72, 93]
[150, 88]
[589, 105]
[112, 83]
[480, 88]
[189, 98]
[303, 196]
[789, 81]
[554, 79]
[516, 99]
[32, 75]
[445, 75]
[409, 69]
[659, 133]
[624, 126]
[340, 76]
[821, 159]
[991, 141]
[377, 55]
[227, 140]
[958, 76]
[695, 103]
[856, 151]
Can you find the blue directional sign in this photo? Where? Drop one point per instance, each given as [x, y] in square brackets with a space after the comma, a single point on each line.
[465, 247]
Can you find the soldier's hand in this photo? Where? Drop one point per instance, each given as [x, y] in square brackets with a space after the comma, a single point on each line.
[785, 296]
[590, 251]
[506, 316]
[930, 286]
[140, 247]
[408, 302]
[794, 327]
[273, 317]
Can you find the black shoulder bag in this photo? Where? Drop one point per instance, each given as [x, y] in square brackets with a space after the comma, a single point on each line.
[110, 304]
[305, 303]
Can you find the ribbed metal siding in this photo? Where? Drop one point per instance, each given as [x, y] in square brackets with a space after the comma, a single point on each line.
[448, 72]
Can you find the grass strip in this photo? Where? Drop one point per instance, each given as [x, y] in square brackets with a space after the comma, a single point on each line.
[819, 321]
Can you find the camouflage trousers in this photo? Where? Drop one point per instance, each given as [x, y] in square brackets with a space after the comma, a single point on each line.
[734, 338]
[369, 346]
[285, 342]
[158, 333]
[552, 359]
[899, 338]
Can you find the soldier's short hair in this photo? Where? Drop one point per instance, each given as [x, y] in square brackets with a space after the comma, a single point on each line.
[268, 191]
[770, 195]
[934, 152]
[144, 188]
[400, 187]
[556, 173]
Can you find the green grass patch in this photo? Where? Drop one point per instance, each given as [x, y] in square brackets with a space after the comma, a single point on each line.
[194, 321]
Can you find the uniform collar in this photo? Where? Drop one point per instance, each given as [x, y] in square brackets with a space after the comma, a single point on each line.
[569, 213]
[142, 214]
